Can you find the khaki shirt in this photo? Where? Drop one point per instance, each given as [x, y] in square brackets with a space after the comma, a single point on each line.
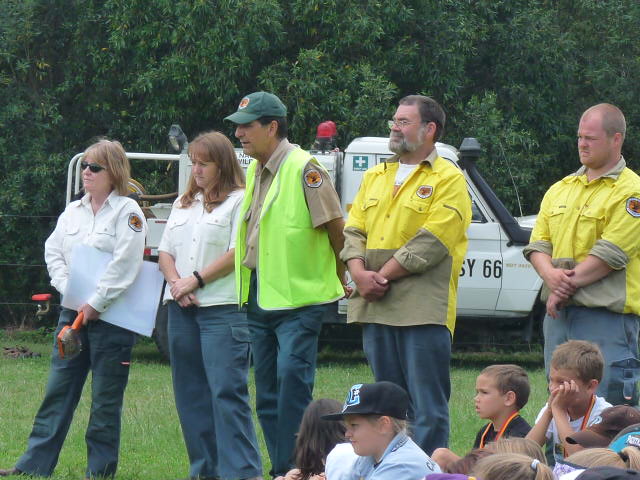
[322, 199]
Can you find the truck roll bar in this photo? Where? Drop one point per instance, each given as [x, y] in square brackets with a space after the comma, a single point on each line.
[470, 151]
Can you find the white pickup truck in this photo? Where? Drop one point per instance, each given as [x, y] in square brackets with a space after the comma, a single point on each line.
[498, 288]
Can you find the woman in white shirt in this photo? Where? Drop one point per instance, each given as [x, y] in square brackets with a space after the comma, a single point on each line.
[105, 219]
[208, 335]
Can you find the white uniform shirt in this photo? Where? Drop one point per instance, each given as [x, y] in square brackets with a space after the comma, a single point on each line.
[118, 228]
[195, 238]
[339, 464]
[552, 433]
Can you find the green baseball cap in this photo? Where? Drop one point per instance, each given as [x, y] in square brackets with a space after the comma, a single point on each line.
[257, 105]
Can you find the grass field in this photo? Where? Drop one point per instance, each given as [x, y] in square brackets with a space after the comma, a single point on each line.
[152, 446]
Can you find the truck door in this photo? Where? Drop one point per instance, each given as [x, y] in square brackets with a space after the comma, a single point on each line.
[481, 274]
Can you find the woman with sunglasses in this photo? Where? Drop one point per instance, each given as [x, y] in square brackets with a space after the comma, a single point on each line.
[208, 335]
[106, 219]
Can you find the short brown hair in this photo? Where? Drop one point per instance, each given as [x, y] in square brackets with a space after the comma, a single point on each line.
[583, 358]
[214, 148]
[430, 111]
[510, 378]
[613, 120]
[111, 155]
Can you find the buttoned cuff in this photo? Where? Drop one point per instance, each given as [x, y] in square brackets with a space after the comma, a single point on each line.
[422, 252]
[99, 302]
[610, 253]
[541, 246]
[355, 244]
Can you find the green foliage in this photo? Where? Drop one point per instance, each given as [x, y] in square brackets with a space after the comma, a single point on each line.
[514, 73]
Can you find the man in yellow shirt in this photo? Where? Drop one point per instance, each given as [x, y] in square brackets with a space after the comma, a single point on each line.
[405, 241]
[585, 246]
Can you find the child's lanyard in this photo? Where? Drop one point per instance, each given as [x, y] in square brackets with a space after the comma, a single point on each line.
[585, 420]
[502, 430]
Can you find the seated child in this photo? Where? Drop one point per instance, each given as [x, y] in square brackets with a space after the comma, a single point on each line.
[375, 417]
[575, 372]
[316, 438]
[501, 391]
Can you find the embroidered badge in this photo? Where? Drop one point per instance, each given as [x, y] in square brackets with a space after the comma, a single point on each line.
[312, 178]
[424, 191]
[633, 206]
[244, 103]
[135, 222]
[353, 397]
[633, 440]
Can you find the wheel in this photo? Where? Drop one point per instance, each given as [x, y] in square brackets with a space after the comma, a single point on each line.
[160, 333]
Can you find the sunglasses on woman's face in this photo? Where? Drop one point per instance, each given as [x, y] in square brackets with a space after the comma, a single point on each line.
[93, 167]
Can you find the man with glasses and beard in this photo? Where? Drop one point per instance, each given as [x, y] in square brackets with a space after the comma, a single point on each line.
[405, 241]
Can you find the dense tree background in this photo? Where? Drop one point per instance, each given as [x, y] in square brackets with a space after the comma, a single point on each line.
[516, 74]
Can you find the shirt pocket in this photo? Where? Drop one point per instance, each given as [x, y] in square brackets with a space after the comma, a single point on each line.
[412, 217]
[217, 230]
[555, 218]
[176, 225]
[71, 237]
[590, 225]
[105, 239]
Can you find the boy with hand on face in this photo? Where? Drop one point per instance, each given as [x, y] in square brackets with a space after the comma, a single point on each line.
[576, 370]
[501, 391]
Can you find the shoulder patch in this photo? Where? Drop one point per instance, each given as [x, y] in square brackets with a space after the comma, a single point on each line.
[135, 222]
[633, 206]
[424, 191]
[312, 178]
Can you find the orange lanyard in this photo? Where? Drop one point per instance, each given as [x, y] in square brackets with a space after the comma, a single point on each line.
[585, 421]
[502, 430]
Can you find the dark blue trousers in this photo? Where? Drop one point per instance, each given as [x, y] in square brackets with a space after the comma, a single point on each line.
[284, 345]
[416, 358]
[209, 348]
[107, 353]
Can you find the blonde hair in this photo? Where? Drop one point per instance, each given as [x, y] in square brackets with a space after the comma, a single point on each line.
[398, 425]
[524, 446]
[214, 147]
[583, 358]
[508, 466]
[111, 155]
[629, 457]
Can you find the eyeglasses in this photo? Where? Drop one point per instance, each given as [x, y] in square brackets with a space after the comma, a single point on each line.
[399, 123]
[93, 167]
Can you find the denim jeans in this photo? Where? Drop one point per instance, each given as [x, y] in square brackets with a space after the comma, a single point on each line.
[617, 336]
[209, 350]
[416, 358]
[106, 351]
[285, 346]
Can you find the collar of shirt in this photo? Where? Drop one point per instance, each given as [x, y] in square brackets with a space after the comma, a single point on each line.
[112, 200]
[398, 441]
[431, 158]
[279, 154]
[614, 173]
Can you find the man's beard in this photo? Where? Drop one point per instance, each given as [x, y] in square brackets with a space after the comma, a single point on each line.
[400, 145]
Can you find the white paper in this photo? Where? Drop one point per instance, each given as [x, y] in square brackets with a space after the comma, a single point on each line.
[134, 310]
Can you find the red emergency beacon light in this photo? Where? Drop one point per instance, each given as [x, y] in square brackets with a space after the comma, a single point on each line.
[326, 136]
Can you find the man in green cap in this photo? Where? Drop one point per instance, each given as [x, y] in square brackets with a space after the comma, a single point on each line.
[287, 266]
